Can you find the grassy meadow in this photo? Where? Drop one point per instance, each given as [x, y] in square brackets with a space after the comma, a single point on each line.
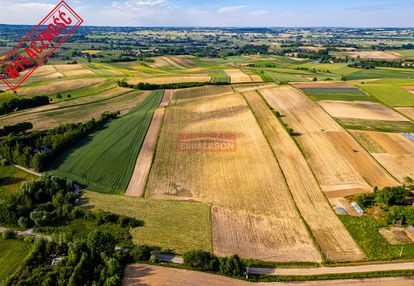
[181, 226]
[390, 94]
[12, 254]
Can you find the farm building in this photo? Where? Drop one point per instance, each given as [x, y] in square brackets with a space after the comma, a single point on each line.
[358, 208]
[410, 232]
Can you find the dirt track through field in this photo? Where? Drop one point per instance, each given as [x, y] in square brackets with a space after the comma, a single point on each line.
[330, 233]
[142, 168]
[253, 212]
[151, 275]
[331, 152]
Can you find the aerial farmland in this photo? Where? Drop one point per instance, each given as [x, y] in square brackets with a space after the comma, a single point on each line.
[260, 154]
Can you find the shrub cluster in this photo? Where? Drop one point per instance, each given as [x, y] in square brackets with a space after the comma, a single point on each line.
[90, 262]
[15, 129]
[39, 202]
[204, 261]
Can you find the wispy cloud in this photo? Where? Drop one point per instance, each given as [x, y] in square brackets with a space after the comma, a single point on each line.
[139, 5]
[232, 9]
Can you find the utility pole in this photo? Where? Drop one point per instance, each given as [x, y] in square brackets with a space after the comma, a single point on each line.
[402, 247]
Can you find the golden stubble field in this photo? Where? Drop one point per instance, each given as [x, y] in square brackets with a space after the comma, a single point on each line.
[341, 166]
[330, 233]
[237, 76]
[392, 150]
[78, 110]
[253, 212]
[360, 110]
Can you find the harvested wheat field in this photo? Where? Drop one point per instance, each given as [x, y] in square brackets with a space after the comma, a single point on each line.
[360, 110]
[254, 214]
[252, 87]
[330, 233]
[136, 186]
[326, 145]
[78, 110]
[407, 111]
[375, 55]
[392, 150]
[237, 76]
[54, 87]
[171, 79]
[188, 93]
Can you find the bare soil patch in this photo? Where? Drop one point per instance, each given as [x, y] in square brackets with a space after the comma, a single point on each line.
[360, 110]
[395, 235]
[375, 55]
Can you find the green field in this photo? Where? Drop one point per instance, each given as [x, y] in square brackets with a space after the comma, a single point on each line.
[365, 231]
[390, 94]
[380, 73]
[4, 97]
[12, 253]
[11, 178]
[337, 68]
[283, 77]
[219, 76]
[182, 226]
[343, 94]
[105, 161]
[377, 125]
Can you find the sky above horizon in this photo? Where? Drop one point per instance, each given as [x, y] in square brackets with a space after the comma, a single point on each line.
[225, 13]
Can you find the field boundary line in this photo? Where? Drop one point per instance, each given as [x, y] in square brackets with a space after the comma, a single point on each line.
[150, 144]
[317, 246]
[355, 140]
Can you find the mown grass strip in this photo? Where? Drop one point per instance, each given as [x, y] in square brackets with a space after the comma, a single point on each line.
[376, 125]
[105, 161]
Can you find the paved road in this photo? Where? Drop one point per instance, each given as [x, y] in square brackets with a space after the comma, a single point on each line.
[28, 232]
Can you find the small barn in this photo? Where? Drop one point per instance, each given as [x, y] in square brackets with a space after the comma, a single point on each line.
[410, 232]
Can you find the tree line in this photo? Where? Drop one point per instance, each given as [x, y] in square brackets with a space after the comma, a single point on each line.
[152, 86]
[15, 104]
[394, 201]
[15, 129]
[38, 149]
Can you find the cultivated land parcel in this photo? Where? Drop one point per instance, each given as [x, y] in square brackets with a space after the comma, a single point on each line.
[310, 133]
